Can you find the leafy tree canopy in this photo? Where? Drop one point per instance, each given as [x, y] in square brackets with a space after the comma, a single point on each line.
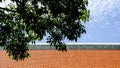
[24, 21]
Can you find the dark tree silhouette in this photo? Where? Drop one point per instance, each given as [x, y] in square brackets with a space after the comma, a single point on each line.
[24, 21]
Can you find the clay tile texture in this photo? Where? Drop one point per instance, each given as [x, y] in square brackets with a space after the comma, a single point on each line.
[69, 59]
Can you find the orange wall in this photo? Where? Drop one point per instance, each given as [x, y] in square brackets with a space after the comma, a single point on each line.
[69, 59]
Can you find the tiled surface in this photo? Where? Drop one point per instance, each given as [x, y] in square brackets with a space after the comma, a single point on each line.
[69, 59]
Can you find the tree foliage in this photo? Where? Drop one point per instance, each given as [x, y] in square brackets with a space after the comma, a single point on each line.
[24, 21]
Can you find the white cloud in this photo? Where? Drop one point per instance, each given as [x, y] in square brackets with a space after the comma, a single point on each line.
[103, 10]
[103, 6]
[105, 23]
[4, 3]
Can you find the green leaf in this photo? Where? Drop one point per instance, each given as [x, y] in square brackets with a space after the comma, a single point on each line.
[25, 21]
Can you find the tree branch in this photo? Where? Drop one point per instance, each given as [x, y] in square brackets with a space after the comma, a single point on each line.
[7, 9]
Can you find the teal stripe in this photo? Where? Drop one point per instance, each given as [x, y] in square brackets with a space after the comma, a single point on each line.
[76, 47]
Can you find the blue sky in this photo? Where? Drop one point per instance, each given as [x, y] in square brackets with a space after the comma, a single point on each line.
[104, 26]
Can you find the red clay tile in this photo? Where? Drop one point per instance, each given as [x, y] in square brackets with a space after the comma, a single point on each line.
[69, 59]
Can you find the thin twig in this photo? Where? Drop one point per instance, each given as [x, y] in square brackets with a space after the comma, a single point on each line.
[7, 9]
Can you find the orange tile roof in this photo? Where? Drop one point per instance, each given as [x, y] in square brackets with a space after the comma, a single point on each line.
[69, 59]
